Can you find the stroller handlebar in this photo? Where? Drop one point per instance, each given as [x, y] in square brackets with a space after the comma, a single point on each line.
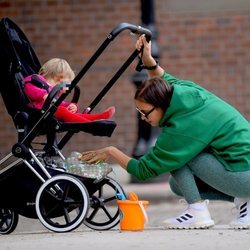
[135, 29]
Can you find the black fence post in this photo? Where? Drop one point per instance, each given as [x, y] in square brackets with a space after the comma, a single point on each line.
[146, 135]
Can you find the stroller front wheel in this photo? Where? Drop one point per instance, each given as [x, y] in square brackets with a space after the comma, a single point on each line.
[62, 203]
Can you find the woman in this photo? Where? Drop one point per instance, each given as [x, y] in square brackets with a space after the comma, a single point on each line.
[204, 144]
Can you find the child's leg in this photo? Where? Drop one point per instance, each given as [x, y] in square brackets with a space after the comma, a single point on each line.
[106, 114]
[65, 115]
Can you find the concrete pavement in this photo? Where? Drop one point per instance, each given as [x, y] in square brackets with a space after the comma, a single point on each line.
[151, 238]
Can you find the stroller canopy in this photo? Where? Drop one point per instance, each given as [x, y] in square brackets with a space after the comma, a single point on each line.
[18, 60]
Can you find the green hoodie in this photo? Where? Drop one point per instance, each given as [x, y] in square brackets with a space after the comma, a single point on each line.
[196, 121]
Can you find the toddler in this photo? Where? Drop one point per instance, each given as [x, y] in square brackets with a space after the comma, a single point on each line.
[53, 72]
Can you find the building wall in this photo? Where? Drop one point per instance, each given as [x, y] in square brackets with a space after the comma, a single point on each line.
[208, 45]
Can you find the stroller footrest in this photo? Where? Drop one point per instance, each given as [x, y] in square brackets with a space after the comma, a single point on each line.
[96, 128]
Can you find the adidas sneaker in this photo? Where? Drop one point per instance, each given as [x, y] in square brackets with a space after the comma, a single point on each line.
[242, 221]
[196, 216]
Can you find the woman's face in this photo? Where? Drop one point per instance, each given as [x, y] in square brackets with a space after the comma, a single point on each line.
[149, 113]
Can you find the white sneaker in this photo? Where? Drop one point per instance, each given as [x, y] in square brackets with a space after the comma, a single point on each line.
[242, 221]
[196, 216]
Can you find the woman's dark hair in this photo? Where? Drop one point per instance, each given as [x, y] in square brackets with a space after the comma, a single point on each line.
[156, 92]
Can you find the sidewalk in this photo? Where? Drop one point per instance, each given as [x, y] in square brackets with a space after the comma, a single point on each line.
[154, 238]
[31, 233]
[162, 204]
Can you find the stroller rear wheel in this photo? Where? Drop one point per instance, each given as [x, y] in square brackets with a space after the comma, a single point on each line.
[8, 220]
[104, 213]
[62, 203]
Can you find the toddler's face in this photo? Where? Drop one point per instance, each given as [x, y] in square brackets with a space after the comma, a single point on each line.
[61, 78]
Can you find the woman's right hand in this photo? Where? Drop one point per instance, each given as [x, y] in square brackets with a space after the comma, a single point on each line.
[101, 155]
[105, 154]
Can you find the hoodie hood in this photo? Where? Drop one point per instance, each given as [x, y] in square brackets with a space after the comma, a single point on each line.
[185, 100]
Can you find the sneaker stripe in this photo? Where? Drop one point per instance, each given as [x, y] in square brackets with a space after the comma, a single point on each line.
[184, 218]
[243, 206]
[242, 216]
[243, 211]
[189, 216]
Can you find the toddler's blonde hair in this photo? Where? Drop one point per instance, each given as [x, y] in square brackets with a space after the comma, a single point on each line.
[57, 67]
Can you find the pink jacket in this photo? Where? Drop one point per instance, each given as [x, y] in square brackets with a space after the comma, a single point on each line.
[36, 94]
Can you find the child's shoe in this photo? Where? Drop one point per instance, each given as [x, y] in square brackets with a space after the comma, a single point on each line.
[196, 216]
[108, 113]
[242, 221]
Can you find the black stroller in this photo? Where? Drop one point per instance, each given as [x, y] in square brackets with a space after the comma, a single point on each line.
[31, 182]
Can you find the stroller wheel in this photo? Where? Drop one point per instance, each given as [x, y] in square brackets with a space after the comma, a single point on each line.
[62, 203]
[104, 213]
[8, 220]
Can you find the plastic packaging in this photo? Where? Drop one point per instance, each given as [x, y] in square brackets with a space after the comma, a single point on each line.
[94, 171]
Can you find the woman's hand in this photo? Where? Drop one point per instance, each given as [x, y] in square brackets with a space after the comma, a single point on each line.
[104, 154]
[101, 155]
[147, 58]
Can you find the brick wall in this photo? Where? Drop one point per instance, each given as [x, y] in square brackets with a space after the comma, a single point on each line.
[209, 47]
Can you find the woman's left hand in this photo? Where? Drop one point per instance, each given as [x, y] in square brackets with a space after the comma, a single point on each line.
[146, 55]
[101, 155]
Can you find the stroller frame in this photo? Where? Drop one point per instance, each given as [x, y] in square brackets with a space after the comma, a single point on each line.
[58, 194]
